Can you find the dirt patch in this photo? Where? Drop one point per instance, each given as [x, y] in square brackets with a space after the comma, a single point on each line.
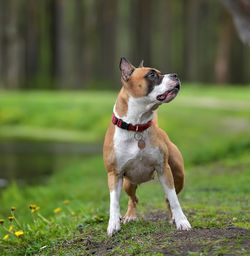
[211, 241]
[167, 241]
[201, 241]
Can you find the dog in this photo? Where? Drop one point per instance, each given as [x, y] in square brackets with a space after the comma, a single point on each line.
[135, 148]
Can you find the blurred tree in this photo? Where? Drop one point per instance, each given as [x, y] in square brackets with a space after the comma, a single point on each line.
[106, 14]
[165, 33]
[240, 10]
[239, 61]
[62, 44]
[12, 44]
[31, 35]
[79, 44]
[190, 30]
[222, 61]
[161, 43]
[2, 42]
[57, 40]
[141, 31]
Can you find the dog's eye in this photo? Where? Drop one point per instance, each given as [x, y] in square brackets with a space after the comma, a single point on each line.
[152, 74]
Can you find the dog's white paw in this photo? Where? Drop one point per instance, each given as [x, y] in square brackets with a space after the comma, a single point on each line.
[182, 223]
[114, 226]
[127, 219]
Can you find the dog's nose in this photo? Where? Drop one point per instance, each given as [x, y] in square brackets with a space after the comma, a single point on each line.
[173, 76]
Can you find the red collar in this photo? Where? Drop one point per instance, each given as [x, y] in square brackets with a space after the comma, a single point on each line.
[130, 127]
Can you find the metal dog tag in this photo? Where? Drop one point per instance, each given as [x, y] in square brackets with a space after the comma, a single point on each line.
[140, 139]
[141, 144]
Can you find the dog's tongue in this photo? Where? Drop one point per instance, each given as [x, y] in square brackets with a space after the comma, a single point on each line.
[162, 96]
[169, 94]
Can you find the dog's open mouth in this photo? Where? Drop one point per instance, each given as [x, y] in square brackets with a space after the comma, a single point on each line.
[169, 95]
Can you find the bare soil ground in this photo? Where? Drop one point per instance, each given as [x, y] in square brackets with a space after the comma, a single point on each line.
[209, 241]
[198, 241]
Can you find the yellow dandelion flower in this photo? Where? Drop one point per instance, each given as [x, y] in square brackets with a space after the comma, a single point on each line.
[73, 213]
[32, 206]
[57, 210]
[37, 208]
[10, 228]
[1, 221]
[33, 210]
[11, 218]
[66, 202]
[19, 233]
[13, 208]
[6, 237]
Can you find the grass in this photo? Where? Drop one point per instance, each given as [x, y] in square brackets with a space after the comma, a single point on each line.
[213, 137]
[209, 203]
[215, 196]
[217, 118]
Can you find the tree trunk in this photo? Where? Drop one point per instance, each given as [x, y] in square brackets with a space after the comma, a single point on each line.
[161, 49]
[2, 43]
[32, 43]
[57, 35]
[80, 71]
[106, 11]
[191, 26]
[142, 31]
[167, 36]
[222, 62]
[14, 47]
[240, 10]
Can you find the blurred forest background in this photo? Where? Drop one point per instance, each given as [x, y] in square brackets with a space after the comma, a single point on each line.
[60, 44]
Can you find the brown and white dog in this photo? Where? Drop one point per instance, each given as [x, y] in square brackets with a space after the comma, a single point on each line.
[135, 147]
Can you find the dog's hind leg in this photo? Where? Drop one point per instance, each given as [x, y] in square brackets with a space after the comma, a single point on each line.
[130, 189]
[167, 181]
[176, 163]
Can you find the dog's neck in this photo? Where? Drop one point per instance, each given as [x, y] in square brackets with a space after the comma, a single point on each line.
[134, 110]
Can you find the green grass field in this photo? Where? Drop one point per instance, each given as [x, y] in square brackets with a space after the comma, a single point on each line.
[211, 126]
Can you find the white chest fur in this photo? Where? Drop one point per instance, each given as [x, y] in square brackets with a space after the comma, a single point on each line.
[135, 163]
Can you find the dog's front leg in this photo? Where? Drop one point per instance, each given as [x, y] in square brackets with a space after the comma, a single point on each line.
[115, 187]
[167, 182]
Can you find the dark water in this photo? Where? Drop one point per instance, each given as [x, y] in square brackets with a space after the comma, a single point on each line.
[32, 162]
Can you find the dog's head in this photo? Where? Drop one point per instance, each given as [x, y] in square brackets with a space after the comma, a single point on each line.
[149, 83]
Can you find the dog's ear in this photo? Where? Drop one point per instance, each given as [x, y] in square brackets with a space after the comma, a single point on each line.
[126, 68]
[141, 64]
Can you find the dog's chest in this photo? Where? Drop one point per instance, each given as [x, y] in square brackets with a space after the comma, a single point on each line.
[135, 163]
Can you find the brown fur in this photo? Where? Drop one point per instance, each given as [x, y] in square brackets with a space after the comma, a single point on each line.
[109, 157]
[174, 166]
[173, 156]
[130, 189]
[176, 163]
[121, 106]
[169, 210]
[136, 85]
